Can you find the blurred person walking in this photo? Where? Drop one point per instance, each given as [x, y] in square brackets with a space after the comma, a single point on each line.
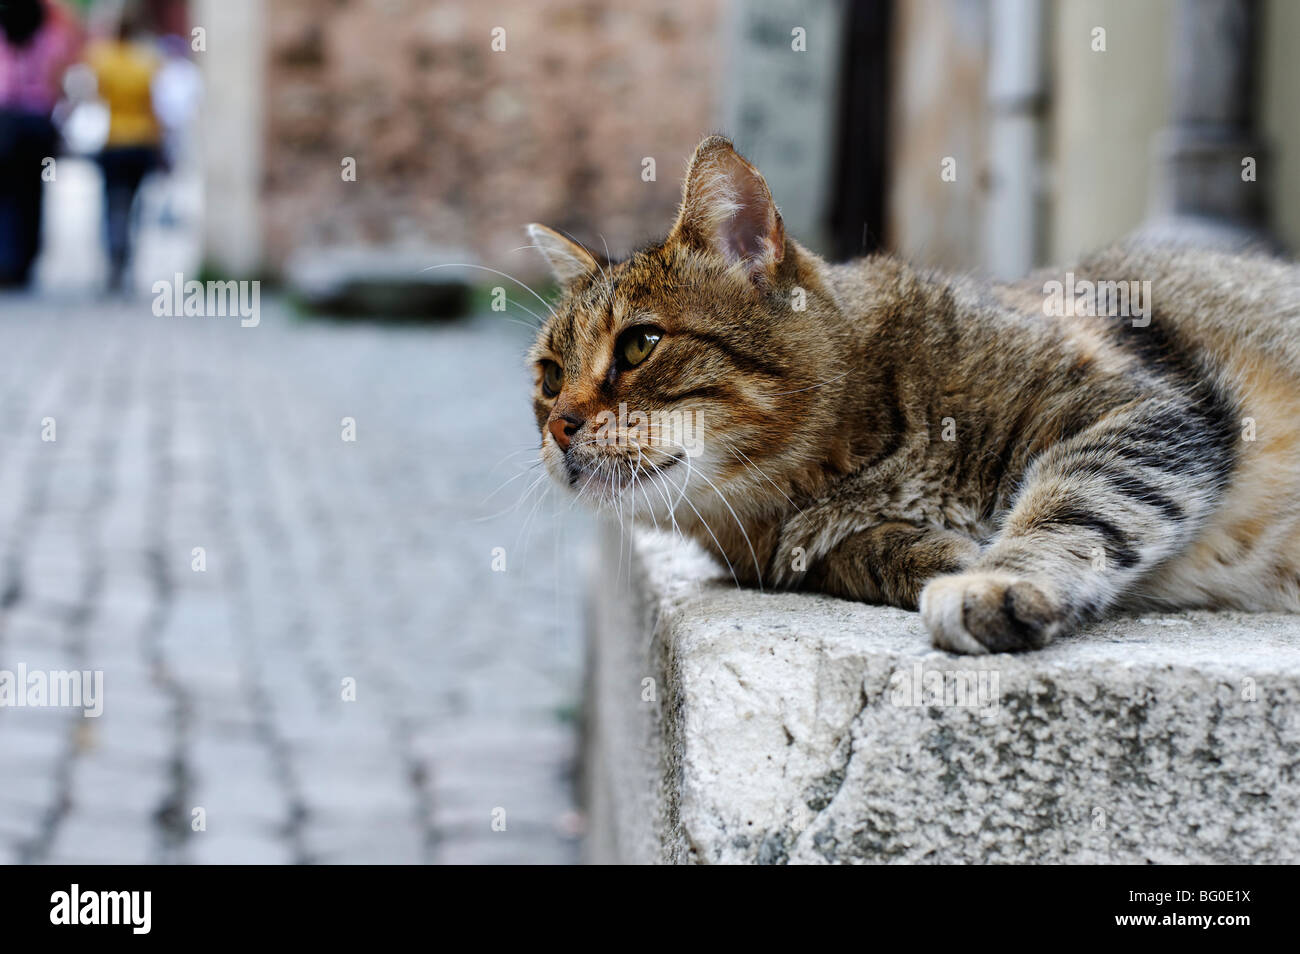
[38, 39]
[124, 69]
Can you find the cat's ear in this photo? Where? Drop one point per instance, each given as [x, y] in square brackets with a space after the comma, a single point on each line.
[569, 261]
[727, 209]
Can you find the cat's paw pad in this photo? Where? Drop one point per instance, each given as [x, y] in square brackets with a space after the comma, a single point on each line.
[988, 613]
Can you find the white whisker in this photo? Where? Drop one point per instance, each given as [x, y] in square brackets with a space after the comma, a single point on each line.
[495, 271]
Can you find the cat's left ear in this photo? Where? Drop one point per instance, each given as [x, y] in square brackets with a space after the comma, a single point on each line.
[569, 261]
[727, 209]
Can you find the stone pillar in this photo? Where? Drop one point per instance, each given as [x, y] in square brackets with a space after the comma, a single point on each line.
[1213, 122]
[938, 138]
[231, 133]
[1016, 94]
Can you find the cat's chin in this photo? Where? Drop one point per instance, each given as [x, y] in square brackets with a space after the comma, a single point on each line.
[619, 489]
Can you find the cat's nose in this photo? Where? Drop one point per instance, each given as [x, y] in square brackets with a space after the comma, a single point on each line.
[563, 428]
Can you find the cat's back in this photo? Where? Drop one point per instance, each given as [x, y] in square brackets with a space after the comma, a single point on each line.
[1238, 315]
[1228, 319]
[1196, 317]
[1241, 307]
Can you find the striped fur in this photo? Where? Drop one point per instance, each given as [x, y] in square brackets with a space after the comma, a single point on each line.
[933, 442]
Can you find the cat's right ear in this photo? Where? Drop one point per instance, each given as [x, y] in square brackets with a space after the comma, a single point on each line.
[727, 209]
[569, 261]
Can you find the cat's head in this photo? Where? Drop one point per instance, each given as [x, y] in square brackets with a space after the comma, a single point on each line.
[684, 377]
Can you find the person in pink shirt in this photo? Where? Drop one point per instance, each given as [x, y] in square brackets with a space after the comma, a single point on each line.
[38, 40]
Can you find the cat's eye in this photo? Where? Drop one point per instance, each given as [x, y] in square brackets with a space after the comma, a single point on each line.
[552, 378]
[635, 344]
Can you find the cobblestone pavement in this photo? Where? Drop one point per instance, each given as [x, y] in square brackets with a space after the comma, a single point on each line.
[323, 560]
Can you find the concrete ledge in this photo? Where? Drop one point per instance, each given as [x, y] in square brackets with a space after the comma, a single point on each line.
[784, 728]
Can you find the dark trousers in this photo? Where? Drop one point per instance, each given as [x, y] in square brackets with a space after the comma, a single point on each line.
[124, 169]
[26, 140]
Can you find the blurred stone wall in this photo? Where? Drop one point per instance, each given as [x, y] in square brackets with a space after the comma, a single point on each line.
[456, 145]
[1104, 183]
[939, 112]
[1101, 121]
[780, 102]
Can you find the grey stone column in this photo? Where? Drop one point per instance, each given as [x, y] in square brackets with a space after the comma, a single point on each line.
[231, 131]
[1213, 130]
[1016, 92]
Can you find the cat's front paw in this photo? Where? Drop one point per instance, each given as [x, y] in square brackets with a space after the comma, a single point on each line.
[989, 613]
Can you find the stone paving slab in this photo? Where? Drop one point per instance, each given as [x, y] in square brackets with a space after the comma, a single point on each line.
[322, 560]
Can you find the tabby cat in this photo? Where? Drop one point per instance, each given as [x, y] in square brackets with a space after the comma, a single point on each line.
[1012, 469]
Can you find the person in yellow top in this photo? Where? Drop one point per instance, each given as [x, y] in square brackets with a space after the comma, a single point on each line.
[124, 68]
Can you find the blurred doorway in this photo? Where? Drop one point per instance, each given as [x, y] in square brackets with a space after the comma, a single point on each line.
[856, 218]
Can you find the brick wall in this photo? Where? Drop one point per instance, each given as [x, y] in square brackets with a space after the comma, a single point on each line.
[457, 145]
